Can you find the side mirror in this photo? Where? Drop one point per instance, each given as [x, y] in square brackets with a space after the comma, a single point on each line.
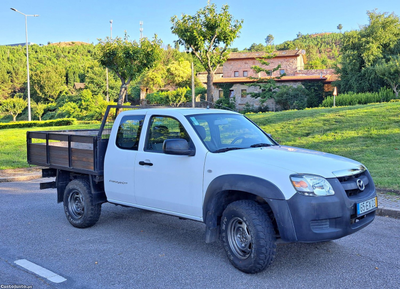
[178, 147]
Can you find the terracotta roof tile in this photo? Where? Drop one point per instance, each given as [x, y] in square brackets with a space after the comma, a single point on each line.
[283, 79]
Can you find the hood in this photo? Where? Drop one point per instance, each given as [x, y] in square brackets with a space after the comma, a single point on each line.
[295, 160]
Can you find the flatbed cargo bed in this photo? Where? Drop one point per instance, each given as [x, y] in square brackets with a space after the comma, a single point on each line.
[75, 150]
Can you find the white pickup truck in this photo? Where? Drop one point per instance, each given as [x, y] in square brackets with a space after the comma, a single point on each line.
[212, 166]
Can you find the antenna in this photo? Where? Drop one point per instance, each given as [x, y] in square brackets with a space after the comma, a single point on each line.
[141, 29]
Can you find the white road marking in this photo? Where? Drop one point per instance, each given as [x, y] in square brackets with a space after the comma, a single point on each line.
[38, 270]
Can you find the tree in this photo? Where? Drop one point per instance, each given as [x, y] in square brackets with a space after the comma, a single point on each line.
[5, 83]
[299, 35]
[48, 83]
[38, 109]
[269, 40]
[340, 27]
[13, 106]
[95, 81]
[208, 35]
[363, 49]
[128, 59]
[154, 78]
[256, 47]
[268, 87]
[390, 72]
[179, 73]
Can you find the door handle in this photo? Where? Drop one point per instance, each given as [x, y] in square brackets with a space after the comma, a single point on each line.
[142, 163]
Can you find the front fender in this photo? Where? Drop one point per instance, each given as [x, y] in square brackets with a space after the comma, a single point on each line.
[216, 197]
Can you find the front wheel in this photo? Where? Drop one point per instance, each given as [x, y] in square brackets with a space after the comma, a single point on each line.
[79, 207]
[248, 236]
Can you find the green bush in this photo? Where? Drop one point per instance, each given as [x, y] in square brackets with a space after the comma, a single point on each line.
[57, 122]
[346, 99]
[227, 103]
[169, 98]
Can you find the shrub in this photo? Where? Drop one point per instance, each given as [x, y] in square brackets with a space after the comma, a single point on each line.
[346, 99]
[57, 122]
[289, 97]
[227, 103]
[171, 98]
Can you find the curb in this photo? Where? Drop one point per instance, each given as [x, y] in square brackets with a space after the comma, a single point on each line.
[20, 178]
[388, 212]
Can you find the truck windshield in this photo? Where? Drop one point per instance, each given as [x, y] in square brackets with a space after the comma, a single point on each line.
[223, 132]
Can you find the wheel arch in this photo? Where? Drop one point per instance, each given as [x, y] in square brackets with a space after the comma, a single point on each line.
[226, 189]
[64, 177]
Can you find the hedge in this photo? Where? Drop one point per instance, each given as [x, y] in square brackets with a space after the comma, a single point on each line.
[346, 99]
[55, 122]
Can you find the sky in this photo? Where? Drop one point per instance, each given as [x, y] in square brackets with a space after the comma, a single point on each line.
[89, 20]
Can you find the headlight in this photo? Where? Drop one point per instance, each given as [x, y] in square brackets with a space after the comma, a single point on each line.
[310, 185]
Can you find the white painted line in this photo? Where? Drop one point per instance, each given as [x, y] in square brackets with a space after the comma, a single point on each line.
[38, 270]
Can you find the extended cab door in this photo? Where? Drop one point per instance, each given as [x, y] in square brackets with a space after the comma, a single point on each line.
[119, 175]
[169, 183]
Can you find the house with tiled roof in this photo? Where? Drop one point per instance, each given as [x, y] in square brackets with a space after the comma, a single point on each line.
[237, 71]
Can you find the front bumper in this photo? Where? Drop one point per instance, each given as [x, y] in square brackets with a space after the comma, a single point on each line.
[317, 219]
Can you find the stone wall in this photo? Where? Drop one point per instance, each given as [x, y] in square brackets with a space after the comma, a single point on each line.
[289, 64]
[241, 100]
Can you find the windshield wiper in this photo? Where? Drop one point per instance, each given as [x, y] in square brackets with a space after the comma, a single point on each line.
[259, 145]
[227, 149]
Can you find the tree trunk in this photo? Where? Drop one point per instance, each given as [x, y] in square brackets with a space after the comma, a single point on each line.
[122, 93]
[14, 117]
[210, 88]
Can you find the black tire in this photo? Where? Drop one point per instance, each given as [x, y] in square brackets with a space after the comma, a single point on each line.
[248, 236]
[79, 207]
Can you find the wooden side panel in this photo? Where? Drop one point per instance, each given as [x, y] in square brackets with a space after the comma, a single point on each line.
[37, 153]
[58, 156]
[82, 159]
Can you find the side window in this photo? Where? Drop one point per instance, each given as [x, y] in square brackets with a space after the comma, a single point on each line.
[162, 128]
[129, 132]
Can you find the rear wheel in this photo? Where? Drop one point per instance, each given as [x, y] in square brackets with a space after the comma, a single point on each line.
[248, 236]
[79, 207]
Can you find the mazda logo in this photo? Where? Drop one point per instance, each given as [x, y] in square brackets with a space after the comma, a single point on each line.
[360, 185]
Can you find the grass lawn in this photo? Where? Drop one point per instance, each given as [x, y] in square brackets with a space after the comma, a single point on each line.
[367, 133]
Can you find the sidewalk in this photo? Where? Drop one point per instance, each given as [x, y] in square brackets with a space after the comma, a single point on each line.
[388, 203]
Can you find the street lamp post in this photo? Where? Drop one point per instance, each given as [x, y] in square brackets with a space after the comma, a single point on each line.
[27, 59]
[192, 68]
[108, 98]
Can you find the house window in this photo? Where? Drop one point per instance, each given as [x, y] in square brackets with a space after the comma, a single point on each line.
[243, 93]
[282, 71]
[245, 74]
[236, 74]
[221, 93]
[231, 93]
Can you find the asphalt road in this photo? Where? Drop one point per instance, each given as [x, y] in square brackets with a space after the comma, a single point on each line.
[130, 248]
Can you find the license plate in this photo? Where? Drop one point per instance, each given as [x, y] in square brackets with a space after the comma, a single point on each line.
[367, 206]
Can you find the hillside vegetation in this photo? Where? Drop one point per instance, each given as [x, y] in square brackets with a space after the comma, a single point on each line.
[322, 49]
[367, 133]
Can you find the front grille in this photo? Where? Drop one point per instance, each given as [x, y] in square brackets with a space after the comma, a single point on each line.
[349, 184]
